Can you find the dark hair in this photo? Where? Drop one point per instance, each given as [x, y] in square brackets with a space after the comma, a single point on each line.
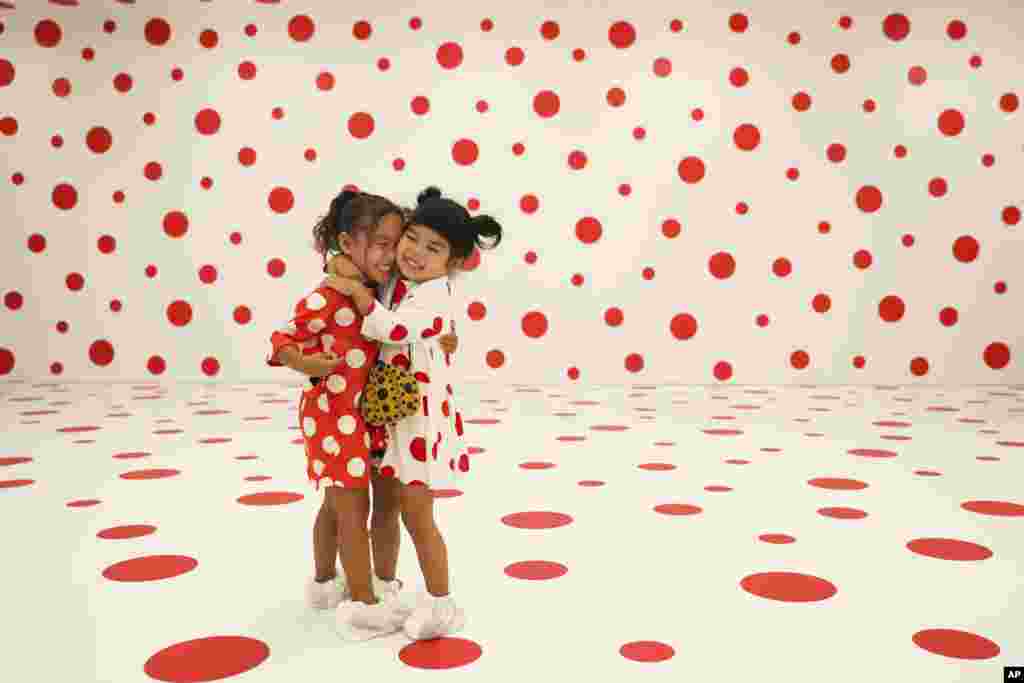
[452, 221]
[353, 213]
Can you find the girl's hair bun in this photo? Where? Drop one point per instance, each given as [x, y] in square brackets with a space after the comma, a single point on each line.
[428, 194]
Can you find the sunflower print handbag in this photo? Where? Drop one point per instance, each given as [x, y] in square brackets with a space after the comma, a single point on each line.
[391, 394]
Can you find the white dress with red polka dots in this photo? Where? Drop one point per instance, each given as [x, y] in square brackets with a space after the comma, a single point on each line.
[426, 448]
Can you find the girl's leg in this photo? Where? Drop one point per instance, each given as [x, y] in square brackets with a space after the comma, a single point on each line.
[417, 504]
[384, 530]
[325, 542]
[352, 512]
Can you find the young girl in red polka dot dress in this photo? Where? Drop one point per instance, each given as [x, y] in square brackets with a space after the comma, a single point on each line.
[426, 448]
[324, 341]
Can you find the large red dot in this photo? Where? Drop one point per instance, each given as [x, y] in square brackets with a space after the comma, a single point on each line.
[101, 352]
[634, 362]
[678, 509]
[788, 587]
[361, 125]
[997, 355]
[449, 55]
[64, 197]
[722, 265]
[7, 72]
[647, 651]
[683, 326]
[837, 484]
[966, 249]
[536, 570]
[207, 122]
[692, 170]
[99, 140]
[179, 313]
[588, 230]
[747, 137]
[535, 324]
[842, 513]
[476, 311]
[896, 26]
[465, 152]
[869, 199]
[175, 224]
[140, 475]
[871, 453]
[158, 32]
[150, 568]
[536, 520]
[127, 531]
[891, 309]
[495, 358]
[281, 200]
[994, 508]
[546, 104]
[622, 34]
[48, 32]
[301, 28]
[207, 659]
[951, 122]
[270, 498]
[956, 644]
[949, 549]
[440, 653]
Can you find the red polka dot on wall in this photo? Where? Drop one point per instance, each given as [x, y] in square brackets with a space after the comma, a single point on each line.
[581, 230]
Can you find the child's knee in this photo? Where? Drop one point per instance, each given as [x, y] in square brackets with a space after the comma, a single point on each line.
[385, 516]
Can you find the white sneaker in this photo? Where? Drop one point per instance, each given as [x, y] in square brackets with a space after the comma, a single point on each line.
[358, 621]
[434, 618]
[327, 595]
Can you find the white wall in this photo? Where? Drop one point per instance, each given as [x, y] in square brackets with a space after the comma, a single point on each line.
[782, 221]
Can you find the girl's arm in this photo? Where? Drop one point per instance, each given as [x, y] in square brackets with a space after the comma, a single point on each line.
[421, 318]
[364, 300]
[314, 365]
[303, 331]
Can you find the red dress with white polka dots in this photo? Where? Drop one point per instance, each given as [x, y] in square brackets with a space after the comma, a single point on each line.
[337, 439]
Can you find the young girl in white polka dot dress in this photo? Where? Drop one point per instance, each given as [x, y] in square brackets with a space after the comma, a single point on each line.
[427, 448]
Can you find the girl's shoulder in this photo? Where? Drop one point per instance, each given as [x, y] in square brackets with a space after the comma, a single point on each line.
[437, 287]
[326, 301]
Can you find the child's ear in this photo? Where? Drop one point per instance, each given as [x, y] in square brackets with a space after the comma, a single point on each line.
[345, 243]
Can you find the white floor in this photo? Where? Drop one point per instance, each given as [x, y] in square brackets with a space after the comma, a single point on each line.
[772, 576]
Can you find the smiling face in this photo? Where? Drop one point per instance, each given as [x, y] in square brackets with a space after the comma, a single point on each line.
[373, 251]
[423, 254]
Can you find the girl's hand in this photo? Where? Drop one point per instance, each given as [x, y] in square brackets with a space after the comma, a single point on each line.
[342, 285]
[449, 343]
[342, 266]
[319, 364]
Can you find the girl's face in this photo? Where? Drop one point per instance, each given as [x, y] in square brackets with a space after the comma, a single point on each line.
[423, 254]
[373, 252]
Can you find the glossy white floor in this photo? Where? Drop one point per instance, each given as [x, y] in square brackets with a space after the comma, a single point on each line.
[692, 534]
